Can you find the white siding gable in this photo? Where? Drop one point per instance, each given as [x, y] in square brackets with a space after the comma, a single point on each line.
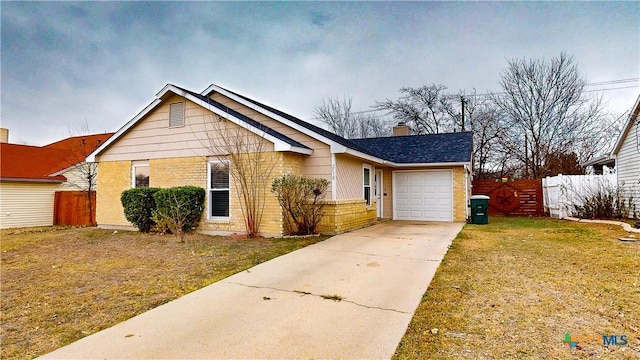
[628, 165]
[26, 204]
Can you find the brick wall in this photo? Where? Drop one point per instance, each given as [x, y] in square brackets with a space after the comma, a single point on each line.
[165, 173]
[196, 171]
[344, 215]
[341, 215]
[115, 177]
[460, 195]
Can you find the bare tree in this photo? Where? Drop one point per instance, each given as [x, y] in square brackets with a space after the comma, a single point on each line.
[337, 115]
[81, 175]
[429, 109]
[426, 110]
[548, 112]
[484, 120]
[250, 163]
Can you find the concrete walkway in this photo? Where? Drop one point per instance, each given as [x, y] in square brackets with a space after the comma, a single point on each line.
[624, 225]
[276, 309]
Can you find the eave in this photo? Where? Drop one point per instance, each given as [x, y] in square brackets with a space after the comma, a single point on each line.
[34, 180]
[278, 144]
[633, 116]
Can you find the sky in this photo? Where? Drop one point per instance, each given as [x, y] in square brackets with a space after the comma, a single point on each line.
[70, 65]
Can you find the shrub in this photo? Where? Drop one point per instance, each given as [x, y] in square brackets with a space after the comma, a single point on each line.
[138, 204]
[301, 200]
[179, 209]
[604, 202]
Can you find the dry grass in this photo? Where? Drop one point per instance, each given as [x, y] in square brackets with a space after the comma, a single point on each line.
[59, 285]
[513, 288]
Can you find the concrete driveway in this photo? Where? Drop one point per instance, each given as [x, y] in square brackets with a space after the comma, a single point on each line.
[277, 309]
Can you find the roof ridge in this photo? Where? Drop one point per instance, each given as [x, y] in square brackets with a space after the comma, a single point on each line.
[78, 137]
[248, 120]
[13, 144]
[318, 130]
[416, 135]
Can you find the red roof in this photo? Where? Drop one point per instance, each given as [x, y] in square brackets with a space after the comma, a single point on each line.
[84, 143]
[38, 163]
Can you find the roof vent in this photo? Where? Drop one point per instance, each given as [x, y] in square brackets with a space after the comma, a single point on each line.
[176, 114]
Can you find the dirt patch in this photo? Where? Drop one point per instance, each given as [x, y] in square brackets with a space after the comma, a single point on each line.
[59, 285]
[516, 287]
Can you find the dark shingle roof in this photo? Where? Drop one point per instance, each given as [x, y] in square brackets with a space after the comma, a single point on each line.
[432, 148]
[246, 119]
[318, 130]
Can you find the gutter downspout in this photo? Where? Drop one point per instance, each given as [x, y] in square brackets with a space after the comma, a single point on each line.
[334, 187]
[466, 192]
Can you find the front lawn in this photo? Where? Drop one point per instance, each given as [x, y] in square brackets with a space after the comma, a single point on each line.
[513, 288]
[59, 285]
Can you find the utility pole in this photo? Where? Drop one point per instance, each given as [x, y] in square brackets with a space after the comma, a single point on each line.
[462, 118]
[526, 157]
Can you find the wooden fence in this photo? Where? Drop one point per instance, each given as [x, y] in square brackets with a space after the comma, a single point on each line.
[72, 208]
[513, 197]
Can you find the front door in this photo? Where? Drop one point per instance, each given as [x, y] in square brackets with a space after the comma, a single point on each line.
[378, 192]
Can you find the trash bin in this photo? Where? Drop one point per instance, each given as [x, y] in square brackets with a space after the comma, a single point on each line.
[479, 209]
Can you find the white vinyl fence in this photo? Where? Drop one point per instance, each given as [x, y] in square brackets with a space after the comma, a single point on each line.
[562, 192]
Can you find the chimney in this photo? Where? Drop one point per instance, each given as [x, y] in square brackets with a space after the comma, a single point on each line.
[4, 135]
[401, 129]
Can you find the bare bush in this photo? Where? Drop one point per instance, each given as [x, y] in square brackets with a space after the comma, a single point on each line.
[301, 200]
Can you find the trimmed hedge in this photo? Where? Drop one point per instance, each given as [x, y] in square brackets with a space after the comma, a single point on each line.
[179, 207]
[138, 204]
[167, 208]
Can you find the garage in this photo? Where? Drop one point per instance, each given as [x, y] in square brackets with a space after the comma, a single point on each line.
[425, 195]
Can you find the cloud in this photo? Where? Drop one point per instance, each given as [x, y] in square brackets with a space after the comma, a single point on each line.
[102, 62]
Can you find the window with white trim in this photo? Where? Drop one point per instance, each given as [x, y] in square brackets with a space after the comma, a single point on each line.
[176, 114]
[366, 181]
[218, 189]
[140, 175]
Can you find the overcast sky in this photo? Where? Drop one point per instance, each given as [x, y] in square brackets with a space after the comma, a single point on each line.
[64, 64]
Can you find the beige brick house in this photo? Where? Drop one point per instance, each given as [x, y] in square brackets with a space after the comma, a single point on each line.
[420, 178]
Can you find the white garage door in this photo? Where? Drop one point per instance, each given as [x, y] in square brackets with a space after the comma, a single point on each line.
[423, 195]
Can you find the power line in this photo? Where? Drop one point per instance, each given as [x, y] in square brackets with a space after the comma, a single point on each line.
[599, 83]
[504, 93]
[617, 88]
[498, 94]
[611, 82]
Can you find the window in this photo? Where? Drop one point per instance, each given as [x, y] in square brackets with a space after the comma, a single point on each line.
[218, 189]
[366, 180]
[176, 114]
[140, 174]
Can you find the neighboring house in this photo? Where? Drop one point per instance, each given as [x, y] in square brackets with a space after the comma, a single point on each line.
[600, 165]
[30, 176]
[423, 178]
[627, 158]
[76, 170]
